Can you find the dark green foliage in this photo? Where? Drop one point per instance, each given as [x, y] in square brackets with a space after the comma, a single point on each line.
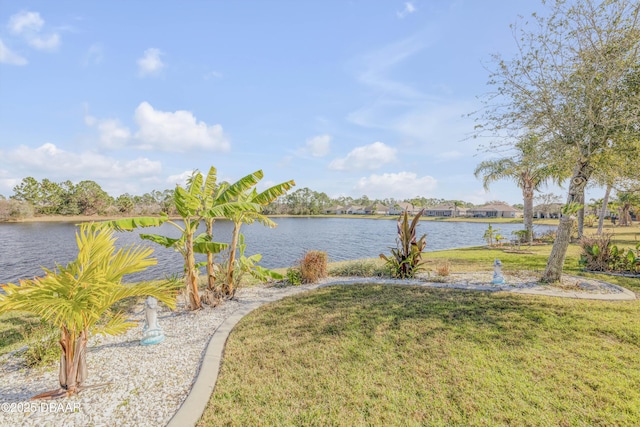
[294, 276]
[313, 266]
[361, 268]
[600, 255]
[405, 260]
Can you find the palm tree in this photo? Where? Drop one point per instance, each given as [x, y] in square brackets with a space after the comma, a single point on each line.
[456, 205]
[77, 298]
[528, 169]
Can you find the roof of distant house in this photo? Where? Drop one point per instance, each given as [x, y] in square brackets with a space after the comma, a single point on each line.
[498, 207]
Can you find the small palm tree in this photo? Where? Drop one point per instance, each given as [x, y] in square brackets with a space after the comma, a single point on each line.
[528, 169]
[78, 298]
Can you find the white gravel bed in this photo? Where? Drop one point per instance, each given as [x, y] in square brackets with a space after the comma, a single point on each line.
[147, 384]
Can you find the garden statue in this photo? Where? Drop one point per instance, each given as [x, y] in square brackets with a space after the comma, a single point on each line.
[151, 332]
[498, 279]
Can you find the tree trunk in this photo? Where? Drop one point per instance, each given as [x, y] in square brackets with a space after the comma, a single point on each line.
[232, 259]
[211, 275]
[553, 271]
[605, 203]
[581, 214]
[191, 275]
[527, 195]
[73, 365]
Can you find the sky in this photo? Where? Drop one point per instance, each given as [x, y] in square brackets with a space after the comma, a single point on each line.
[350, 98]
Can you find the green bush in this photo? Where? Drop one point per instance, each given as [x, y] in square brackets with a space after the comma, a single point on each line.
[360, 268]
[600, 255]
[313, 266]
[294, 276]
[43, 347]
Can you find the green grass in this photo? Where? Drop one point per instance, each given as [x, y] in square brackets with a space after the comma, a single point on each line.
[15, 328]
[404, 356]
[393, 355]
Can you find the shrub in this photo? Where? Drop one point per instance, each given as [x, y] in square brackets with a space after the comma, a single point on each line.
[490, 234]
[406, 259]
[294, 276]
[600, 255]
[361, 268]
[444, 268]
[43, 348]
[313, 266]
[590, 220]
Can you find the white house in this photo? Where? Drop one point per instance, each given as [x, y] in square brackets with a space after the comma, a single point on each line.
[496, 210]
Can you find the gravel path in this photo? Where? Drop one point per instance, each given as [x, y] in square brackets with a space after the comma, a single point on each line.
[147, 384]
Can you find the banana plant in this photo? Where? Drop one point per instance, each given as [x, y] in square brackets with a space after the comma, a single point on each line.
[78, 299]
[247, 265]
[212, 195]
[406, 259]
[191, 209]
[249, 216]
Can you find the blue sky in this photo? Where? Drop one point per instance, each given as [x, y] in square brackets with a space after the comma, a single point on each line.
[346, 97]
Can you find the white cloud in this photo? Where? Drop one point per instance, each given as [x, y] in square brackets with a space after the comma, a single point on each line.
[399, 185]
[150, 64]
[318, 146]
[94, 55]
[87, 165]
[112, 133]
[409, 8]
[25, 22]
[376, 67]
[9, 57]
[7, 185]
[49, 42]
[177, 131]
[213, 75]
[368, 157]
[29, 25]
[179, 179]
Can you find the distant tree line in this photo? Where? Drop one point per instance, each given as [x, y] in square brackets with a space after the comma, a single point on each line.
[38, 198]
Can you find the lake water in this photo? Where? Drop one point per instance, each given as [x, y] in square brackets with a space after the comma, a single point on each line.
[25, 247]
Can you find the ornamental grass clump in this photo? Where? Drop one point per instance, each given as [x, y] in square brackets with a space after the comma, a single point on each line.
[313, 266]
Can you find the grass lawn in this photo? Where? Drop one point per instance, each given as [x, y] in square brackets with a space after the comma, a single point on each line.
[394, 355]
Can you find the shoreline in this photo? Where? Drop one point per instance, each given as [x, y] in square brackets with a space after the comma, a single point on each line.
[90, 218]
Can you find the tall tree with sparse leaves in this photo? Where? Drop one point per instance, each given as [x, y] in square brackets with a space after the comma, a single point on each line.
[569, 83]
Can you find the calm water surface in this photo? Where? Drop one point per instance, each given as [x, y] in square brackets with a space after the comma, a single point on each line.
[25, 247]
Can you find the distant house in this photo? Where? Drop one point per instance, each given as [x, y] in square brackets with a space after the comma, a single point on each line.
[354, 210]
[446, 210]
[404, 206]
[497, 210]
[547, 210]
[334, 210]
[377, 209]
